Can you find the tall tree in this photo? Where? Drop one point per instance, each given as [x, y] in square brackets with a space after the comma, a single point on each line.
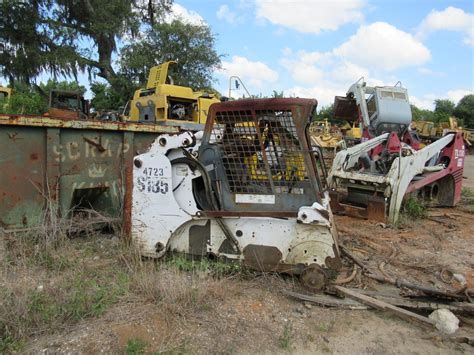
[465, 110]
[325, 112]
[192, 46]
[108, 98]
[63, 36]
[419, 114]
[443, 109]
[444, 106]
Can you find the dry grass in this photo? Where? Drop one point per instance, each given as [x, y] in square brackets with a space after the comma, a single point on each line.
[49, 281]
[45, 289]
[180, 293]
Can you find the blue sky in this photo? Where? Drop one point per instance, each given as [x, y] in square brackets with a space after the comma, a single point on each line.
[318, 48]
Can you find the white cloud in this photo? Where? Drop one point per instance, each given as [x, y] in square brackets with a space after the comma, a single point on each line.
[325, 90]
[323, 93]
[449, 19]
[322, 75]
[179, 12]
[383, 46]
[427, 101]
[456, 95]
[349, 71]
[302, 71]
[373, 53]
[253, 73]
[310, 16]
[224, 13]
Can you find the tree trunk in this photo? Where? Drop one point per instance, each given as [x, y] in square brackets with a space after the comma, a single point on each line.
[106, 45]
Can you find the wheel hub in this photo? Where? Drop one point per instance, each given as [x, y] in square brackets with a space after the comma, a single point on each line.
[314, 278]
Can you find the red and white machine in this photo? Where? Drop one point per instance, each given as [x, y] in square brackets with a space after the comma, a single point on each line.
[371, 179]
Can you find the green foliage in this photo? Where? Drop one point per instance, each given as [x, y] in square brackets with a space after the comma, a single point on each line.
[414, 208]
[61, 85]
[278, 94]
[106, 97]
[275, 94]
[284, 341]
[51, 260]
[444, 106]
[325, 112]
[192, 46]
[443, 110]
[87, 294]
[8, 344]
[465, 110]
[91, 296]
[62, 36]
[135, 346]
[27, 100]
[422, 114]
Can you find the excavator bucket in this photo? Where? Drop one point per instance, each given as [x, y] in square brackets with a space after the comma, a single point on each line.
[345, 109]
[246, 189]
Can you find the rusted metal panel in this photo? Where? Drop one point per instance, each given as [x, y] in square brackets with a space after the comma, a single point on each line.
[68, 163]
[374, 208]
[277, 214]
[40, 121]
[345, 109]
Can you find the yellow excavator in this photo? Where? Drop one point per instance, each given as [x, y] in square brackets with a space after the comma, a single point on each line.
[162, 102]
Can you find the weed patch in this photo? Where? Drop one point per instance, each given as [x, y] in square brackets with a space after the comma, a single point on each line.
[135, 347]
[284, 341]
[202, 265]
[467, 196]
[413, 208]
[49, 286]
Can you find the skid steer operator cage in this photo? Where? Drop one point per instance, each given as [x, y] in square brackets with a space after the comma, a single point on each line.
[261, 154]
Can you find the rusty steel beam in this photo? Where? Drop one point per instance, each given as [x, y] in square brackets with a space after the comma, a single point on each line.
[45, 121]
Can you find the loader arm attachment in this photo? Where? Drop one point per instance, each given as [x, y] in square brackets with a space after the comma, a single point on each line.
[375, 187]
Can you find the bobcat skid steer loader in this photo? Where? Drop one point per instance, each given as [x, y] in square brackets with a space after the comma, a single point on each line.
[245, 189]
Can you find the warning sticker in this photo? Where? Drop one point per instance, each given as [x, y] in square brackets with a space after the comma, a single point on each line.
[251, 198]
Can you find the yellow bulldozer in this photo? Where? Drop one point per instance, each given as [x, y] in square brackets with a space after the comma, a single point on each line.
[329, 139]
[162, 102]
[429, 131]
[5, 93]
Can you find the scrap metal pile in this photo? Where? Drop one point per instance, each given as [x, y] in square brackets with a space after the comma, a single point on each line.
[250, 186]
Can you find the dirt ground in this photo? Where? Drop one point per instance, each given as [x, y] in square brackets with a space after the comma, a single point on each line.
[253, 315]
[468, 181]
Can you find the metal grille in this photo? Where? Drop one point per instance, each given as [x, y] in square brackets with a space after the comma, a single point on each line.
[261, 152]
